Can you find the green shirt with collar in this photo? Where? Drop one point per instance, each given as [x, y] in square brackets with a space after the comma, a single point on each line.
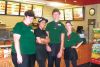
[27, 38]
[55, 30]
[73, 40]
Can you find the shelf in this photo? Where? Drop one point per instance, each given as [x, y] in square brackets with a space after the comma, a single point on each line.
[3, 46]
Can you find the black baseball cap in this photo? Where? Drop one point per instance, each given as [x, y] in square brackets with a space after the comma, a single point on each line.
[41, 19]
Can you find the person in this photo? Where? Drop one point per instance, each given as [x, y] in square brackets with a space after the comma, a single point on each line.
[72, 42]
[23, 48]
[80, 32]
[41, 41]
[55, 30]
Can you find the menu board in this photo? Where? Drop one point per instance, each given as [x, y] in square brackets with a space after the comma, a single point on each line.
[68, 14]
[13, 8]
[38, 10]
[61, 14]
[2, 7]
[25, 7]
[78, 13]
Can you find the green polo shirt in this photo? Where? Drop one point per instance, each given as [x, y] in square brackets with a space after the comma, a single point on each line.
[27, 39]
[73, 40]
[55, 29]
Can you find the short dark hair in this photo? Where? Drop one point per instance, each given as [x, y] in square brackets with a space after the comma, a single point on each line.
[55, 10]
[68, 21]
[29, 13]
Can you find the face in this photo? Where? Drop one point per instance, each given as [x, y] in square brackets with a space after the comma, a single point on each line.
[29, 19]
[56, 15]
[42, 24]
[68, 26]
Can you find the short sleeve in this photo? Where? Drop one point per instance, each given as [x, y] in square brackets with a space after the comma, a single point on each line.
[36, 33]
[63, 29]
[17, 28]
[78, 39]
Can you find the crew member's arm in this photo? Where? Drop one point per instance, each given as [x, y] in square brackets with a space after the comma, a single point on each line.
[78, 45]
[61, 46]
[17, 48]
[48, 48]
[42, 40]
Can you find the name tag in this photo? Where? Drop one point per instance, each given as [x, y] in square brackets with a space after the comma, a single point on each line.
[32, 30]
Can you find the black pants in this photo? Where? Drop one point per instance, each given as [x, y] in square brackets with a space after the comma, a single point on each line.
[41, 55]
[28, 60]
[74, 63]
[70, 54]
[52, 56]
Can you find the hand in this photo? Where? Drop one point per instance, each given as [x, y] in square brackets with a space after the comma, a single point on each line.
[74, 47]
[59, 55]
[48, 48]
[19, 59]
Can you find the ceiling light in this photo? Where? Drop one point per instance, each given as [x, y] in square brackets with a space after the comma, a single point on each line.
[74, 1]
[55, 4]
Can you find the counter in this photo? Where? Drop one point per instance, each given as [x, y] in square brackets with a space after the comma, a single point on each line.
[84, 56]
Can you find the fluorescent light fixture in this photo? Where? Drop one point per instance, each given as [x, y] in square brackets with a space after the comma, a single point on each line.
[55, 4]
[74, 1]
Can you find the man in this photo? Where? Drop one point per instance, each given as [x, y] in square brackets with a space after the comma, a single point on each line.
[55, 30]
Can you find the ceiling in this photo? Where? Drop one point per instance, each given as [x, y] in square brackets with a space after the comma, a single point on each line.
[78, 2]
[72, 2]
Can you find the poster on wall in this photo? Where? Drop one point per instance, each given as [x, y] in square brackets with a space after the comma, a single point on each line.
[61, 14]
[38, 10]
[68, 14]
[25, 7]
[13, 8]
[78, 13]
[2, 7]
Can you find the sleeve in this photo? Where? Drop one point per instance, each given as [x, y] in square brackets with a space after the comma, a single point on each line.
[36, 33]
[63, 28]
[17, 29]
[78, 39]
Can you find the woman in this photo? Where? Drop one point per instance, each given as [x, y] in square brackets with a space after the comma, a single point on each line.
[41, 41]
[55, 30]
[23, 48]
[72, 42]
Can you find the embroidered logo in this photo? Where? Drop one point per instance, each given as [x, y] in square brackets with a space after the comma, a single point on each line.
[32, 30]
[59, 24]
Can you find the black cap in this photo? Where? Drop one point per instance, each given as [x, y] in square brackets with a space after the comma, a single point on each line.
[41, 19]
[29, 13]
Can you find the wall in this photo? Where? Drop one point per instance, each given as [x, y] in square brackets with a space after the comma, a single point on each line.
[10, 21]
[87, 16]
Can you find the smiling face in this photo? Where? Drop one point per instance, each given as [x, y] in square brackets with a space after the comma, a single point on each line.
[68, 27]
[42, 24]
[56, 15]
[29, 19]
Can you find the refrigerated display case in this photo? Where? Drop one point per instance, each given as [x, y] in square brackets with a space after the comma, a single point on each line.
[95, 57]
